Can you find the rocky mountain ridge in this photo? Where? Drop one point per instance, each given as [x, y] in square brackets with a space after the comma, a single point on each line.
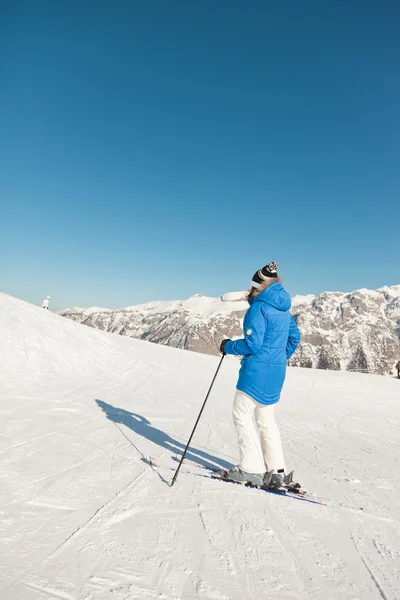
[356, 331]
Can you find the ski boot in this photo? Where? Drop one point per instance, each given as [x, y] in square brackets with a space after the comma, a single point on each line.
[292, 485]
[236, 474]
[281, 482]
[275, 481]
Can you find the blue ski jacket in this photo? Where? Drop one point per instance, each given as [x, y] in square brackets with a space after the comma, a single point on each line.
[270, 338]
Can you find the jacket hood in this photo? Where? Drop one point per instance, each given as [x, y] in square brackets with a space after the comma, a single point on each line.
[275, 295]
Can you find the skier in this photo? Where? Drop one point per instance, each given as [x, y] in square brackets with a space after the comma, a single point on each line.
[398, 369]
[45, 303]
[271, 337]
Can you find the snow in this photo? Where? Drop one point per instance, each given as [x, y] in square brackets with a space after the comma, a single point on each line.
[300, 299]
[83, 517]
[91, 310]
[197, 306]
[234, 297]
[204, 307]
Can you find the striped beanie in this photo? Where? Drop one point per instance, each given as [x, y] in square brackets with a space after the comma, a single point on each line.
[270, 271]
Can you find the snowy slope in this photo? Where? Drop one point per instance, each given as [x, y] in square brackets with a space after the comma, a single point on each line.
[358, 331]
[83, 517]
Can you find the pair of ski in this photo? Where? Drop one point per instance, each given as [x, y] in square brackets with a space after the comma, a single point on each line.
[284, 489]
[293, 492]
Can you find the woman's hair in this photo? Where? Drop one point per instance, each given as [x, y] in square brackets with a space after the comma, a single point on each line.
[253, 292]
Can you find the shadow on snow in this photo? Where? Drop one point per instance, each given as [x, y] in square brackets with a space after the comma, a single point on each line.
[141, 426]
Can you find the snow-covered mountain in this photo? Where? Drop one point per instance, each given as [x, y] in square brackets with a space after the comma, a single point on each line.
[198, 323]
[357, 331]
[83, 517]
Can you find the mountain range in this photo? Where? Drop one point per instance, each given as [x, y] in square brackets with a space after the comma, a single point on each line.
[357, 331]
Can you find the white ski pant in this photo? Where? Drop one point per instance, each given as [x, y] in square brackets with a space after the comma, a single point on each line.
[260, 446]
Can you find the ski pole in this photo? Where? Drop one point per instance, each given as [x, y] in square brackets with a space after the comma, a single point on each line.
[195, 425]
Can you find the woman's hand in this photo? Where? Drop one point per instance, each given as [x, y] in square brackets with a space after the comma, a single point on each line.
[222, 346]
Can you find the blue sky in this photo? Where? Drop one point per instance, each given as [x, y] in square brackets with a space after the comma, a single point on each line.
[153, 150]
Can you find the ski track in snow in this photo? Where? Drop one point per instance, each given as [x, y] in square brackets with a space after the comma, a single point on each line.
[83, 517]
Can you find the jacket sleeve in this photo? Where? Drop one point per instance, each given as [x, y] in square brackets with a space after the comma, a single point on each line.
[254, 334]
[293, 339]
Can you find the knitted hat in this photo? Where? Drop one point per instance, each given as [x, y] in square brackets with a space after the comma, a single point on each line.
[270, 271]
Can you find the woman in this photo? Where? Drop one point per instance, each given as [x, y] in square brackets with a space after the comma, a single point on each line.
[271, 337]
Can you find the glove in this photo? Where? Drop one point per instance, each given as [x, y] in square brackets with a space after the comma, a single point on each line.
[222, 346]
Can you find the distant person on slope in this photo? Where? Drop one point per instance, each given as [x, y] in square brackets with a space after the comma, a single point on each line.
[45, 303]
[398, 369]
[271, 337]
